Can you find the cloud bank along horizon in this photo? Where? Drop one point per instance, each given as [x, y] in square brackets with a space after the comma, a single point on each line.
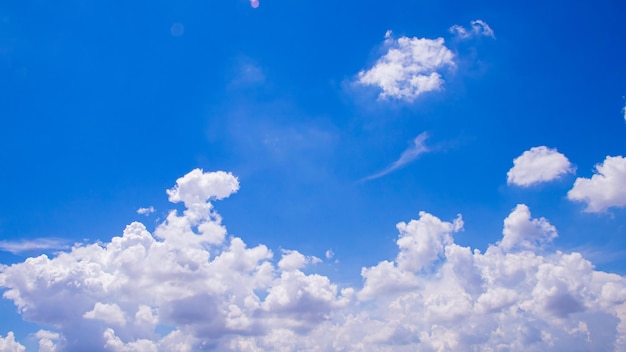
[189, 286]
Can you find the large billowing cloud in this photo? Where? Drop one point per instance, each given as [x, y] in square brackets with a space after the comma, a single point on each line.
[410, 68]
[539, 164]
[605, 189]
[189, 287]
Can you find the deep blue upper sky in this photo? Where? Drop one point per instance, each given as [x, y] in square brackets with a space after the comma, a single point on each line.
[103, 105]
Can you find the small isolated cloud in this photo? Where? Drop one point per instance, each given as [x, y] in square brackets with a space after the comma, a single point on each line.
[605, 189]
[39, 244]
[146, 211]
[254, 3]
[411, 153]
[479, 28]
[294, 260]
[539, 164]
[410, 68]
[624, 111]
[329, 254]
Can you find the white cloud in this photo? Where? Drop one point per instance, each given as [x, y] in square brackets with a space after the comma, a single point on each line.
[539, 164]
[422, 242]
[47, 340]
[8, 344]
[329, 254]
[410, 68]
[146, 211]
[411, 153]
[110, 313]
[196, 187]
[522, 232]
[478, 28]
[294, 260]
[605, 189]
[226, 296]
[39, 244]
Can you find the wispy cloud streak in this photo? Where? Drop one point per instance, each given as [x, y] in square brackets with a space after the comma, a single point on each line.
[411, 153]
[38, 244]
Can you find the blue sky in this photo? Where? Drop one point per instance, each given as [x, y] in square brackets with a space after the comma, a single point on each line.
[311, 106]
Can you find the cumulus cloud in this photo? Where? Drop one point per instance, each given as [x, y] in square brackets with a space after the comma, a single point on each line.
[417, 148]
[410, 68]
[8, 344]
[39, 244]
[181, 290]
[478, 28]
[109, 313]
[186, 278]
[294, 260]
[146, 211]
[605, 189]
[47, 340]
[539, 164]
[520, 231]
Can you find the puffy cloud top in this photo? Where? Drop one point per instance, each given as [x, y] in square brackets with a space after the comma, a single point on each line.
[409, 68]
[605, 189]
[522, 232]
[8, 344]
[197, 187]
[539, 164]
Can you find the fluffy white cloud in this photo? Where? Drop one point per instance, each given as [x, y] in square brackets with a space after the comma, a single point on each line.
[478, 28]
[8, 344]
[179, 290]
[197, 187]
[520, 231]
[47, 340]
[109, 313]
[539, 164]
[605, 189]
[294, 260]
[410, 67]
[185, 278]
